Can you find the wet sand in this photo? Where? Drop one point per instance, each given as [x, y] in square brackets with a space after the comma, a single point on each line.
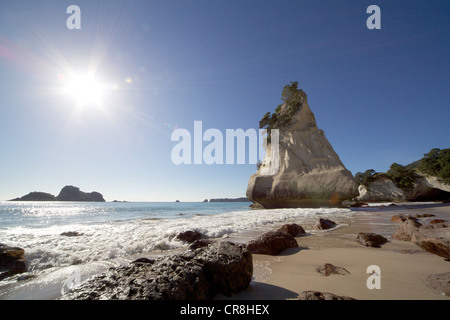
[403, 265]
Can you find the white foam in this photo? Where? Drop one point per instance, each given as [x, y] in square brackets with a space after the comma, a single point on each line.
[46, 248]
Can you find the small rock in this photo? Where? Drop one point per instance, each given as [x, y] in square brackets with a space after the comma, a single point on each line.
[189, 236]
[358, 204]
[436, 221]
[328, 269]
[71, 234]
[293, 229]
[316, 295]
[402, 218]
[424, 215]
[200, 244]
[144, 260]
[405, 231]
[324, 224]
[272, 243]
[440, 282]
[371, 239]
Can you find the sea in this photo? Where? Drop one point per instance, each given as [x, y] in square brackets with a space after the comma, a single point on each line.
[115, 233]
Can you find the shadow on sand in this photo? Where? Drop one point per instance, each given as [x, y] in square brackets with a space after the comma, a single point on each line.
[261, 291]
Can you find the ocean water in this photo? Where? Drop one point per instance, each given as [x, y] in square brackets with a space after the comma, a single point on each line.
[114, 233]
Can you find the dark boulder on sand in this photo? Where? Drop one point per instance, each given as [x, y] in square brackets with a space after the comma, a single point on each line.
[405, 231]
[272, 243]
[189, 236]
[324, 224]
[293, 229]
[371, 239]
[223, 267]
[12, 261]
[434, 238]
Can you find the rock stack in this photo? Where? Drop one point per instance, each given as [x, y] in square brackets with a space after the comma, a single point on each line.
[310, 172]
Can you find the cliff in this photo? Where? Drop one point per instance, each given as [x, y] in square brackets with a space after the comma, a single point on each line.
[310, 173]
[426, 188]
[68, 193]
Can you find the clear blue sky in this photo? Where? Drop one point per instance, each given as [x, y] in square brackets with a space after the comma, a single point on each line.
[381, 96]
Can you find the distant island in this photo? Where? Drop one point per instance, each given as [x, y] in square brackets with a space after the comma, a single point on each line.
[68, 193]
[243, 199]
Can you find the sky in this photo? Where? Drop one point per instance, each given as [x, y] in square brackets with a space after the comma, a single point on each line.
[381, 95]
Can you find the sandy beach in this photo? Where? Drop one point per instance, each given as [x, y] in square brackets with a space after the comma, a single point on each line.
[403, 265]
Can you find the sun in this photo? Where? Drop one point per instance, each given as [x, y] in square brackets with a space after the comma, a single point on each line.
[85, 90]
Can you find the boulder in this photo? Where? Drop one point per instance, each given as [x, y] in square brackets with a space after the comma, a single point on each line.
[405, 231]
[324, 224]
[308, 172]
[316, 295]
[434, 238]
[272, 243]
[328, 269]
[293, 229]
[224, 268]
[371, 239]
[440, 282]
[379, 190]
[189, 236]
[12, 261]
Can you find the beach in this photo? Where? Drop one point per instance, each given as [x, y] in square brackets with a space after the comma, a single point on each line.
[403, 265]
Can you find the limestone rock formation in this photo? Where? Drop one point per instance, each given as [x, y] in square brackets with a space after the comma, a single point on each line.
[382, 189]
[426, 188]
[310, 172]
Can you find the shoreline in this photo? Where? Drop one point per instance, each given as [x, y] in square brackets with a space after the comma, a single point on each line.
[403, 265]
[286, 275]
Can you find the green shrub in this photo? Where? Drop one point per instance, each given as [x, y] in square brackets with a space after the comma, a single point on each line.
[402, 177]
[437, 163]
[365, 178]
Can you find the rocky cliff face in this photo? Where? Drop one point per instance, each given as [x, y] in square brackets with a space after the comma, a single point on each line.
[310, 172]
[426, 188]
